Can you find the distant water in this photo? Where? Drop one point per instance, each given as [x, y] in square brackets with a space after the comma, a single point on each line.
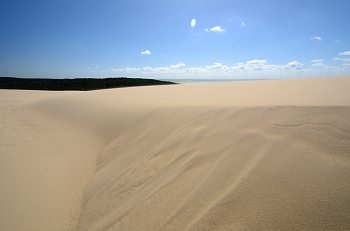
[207, 80]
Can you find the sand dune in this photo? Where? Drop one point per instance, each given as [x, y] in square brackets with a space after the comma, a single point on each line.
[260, 155]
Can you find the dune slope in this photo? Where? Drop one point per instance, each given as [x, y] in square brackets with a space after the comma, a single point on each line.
[218, 168]
[262, 155]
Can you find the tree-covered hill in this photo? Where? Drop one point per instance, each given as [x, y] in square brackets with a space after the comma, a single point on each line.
[80, 84]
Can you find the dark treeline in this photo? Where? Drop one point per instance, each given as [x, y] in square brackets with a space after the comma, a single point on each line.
[83, 84]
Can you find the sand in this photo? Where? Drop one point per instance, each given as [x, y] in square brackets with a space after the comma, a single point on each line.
[257, 155]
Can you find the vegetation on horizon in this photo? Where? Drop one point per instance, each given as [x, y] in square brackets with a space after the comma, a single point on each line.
[79, 84]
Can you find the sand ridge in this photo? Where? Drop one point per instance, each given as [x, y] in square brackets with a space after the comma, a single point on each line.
[260, 155]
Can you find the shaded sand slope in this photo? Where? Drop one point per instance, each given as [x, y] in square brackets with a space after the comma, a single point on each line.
[262, 155]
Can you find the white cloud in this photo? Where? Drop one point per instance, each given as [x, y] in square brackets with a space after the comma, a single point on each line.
[257, 62]
[250, 69]
[317, 64]
[345, 53]
[146, 52]
[346, 65]
[316, 38]
[127, 70]
[215, 66]
[343, 59]
[177, 66]
[215, 29]
[243, 24]
[294, 65]
[165, 69]
[96, 67]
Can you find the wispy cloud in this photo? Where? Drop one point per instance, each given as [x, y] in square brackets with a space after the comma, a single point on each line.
[146, 52]
[316, 38]
[345, 53]
[93, 68]
[346, 65]
[243, 24]
[215, 29]
[127, 70]
[165, 69]
[178, 65]
[317, 62]
[342, 59]
[257, 62]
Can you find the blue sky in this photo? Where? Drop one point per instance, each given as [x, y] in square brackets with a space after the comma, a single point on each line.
[155, 39]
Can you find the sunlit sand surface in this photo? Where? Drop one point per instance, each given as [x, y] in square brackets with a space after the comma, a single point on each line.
[257, 155]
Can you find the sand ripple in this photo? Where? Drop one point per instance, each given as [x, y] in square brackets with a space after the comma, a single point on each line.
[225, 169]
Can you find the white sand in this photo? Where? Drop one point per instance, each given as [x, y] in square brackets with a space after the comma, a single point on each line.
[260, 155]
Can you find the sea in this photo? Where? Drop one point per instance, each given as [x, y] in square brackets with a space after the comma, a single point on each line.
[207, 80]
